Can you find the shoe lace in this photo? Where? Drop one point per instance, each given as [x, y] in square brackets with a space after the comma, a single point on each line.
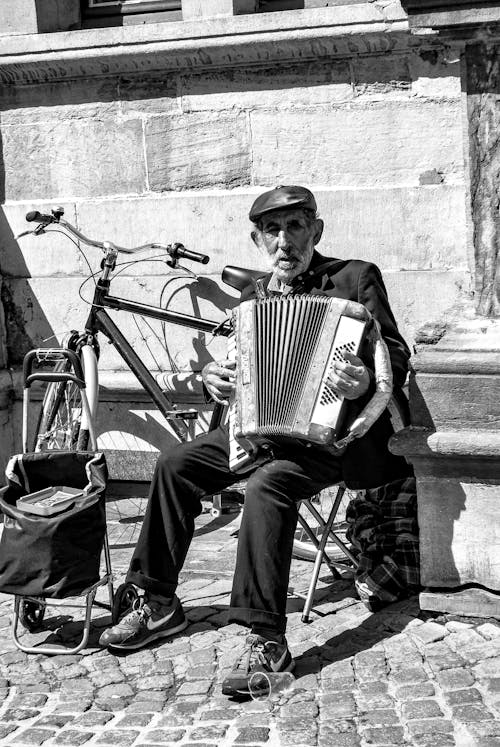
[139, 613]
[254, 654]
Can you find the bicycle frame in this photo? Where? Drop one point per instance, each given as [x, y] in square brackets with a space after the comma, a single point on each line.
[100, 321]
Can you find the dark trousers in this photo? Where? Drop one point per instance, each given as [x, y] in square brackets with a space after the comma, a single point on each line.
[190, 471]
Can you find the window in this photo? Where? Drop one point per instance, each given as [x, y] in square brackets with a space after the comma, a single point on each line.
[267, 6]
[119, 12]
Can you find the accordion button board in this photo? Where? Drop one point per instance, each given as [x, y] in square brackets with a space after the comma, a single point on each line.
[285, 350]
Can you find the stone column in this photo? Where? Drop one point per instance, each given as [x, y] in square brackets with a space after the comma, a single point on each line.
[483, 112]
[454, 440]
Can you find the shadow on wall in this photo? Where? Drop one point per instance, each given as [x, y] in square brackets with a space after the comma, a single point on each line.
[206, 289]
[438, 522]
[19, 303]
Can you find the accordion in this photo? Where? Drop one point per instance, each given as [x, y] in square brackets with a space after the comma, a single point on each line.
[285, 348]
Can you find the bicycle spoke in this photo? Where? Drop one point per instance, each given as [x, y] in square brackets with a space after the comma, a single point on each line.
[61, 416]
[124, 516]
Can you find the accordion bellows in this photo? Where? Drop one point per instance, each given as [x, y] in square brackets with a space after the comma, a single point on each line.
[285, 349]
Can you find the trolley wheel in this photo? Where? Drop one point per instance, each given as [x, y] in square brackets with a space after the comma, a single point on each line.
[124, 598]
[31, 614]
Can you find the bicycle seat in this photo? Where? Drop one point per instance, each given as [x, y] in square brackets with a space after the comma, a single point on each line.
[240, 277]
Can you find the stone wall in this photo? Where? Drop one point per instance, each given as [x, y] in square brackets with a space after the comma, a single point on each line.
[373, 125]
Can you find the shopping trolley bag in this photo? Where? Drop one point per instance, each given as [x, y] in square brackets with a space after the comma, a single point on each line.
[55, 555]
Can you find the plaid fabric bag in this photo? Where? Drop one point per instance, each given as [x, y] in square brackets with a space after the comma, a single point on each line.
[383, 528]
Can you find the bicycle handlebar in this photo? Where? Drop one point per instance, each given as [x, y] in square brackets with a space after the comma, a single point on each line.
[175, 251]
[178, 250]
[34, 215]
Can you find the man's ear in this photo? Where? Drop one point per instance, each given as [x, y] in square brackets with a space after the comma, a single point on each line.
[318, 230]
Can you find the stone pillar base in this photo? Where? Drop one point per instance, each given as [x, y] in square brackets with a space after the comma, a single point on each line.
[469, 602]
[454, 446]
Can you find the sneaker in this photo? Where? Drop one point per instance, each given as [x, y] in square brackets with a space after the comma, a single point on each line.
[147, 621]
[259, 655]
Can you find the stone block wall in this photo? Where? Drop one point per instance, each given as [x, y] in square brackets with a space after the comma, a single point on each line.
[179, 155]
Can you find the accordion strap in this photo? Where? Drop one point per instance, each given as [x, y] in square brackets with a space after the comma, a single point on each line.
[319, 270]
[383, 390]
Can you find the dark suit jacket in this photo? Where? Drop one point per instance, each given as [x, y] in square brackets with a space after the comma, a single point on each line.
[367, 461]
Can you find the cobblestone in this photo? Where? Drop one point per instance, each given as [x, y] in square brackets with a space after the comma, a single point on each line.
[489, 630]
[346, 739]
[252, 734]
[32, 736]
[414, 692]
[19, 714]
[384, 680]
[379, 717]
[487, 668]
[54, 719]
[492, 684]
[72, 737]
[337, 705]
[386, 735]
[408, 675]
[421, 709]
[429, 632]
[93, 718]
[430, 726]
[434, 740]
[122, 738]
[459, 697]
[471, 712]
[455, 679]
[165, 735]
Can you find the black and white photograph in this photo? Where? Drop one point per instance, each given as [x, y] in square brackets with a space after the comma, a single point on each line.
[250, 373]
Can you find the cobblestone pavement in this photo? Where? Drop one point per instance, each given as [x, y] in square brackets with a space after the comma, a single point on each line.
[397, 677]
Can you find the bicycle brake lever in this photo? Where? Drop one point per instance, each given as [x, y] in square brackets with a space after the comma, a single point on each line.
[36, 232]
[24, 233]
[176, 266]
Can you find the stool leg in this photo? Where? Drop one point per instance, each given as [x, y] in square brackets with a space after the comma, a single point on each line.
[320, 555]
[216, 509]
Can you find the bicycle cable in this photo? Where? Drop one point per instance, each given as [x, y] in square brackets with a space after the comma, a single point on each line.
[124, 265]
[92, 275]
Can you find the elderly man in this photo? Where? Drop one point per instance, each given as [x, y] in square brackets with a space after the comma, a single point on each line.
[286, 229]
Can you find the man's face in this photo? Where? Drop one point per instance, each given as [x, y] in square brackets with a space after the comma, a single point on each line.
[288, 237]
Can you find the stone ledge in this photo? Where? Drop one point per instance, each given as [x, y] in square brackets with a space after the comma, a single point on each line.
[453, 362]
[115, 386]
[221, 42]
[420, 443]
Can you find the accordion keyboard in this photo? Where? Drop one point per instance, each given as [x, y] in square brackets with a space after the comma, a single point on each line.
[239, 459]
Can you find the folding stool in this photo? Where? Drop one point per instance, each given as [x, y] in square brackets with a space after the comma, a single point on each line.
[400, 418]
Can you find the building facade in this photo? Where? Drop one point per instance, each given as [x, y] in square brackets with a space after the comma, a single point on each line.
[163, 125]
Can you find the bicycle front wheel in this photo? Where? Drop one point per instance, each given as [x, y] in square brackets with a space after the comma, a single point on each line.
[61, 423]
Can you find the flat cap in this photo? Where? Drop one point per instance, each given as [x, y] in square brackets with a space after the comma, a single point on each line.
[282, 198]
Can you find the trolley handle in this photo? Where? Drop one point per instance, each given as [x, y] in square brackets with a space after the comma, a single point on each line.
[52, 354]
[55, 376]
